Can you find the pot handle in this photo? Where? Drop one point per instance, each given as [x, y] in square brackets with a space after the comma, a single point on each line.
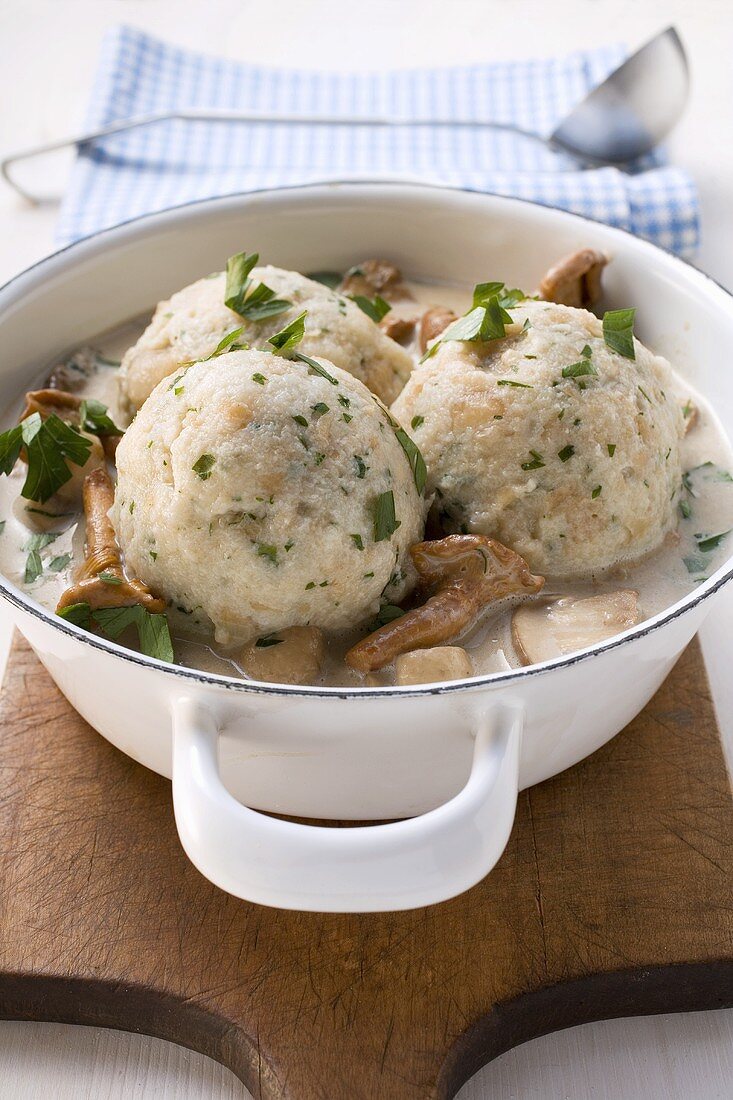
[374, 868]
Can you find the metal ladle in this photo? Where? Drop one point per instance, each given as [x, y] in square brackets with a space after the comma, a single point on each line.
[618, 121]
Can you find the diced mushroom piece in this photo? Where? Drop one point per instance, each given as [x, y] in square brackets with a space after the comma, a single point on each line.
[434, 321]
[463, 575]
[575, 280]
[433, 666]
[543, 631]
[66, 406]
[400, 329]
[101, 581]
[74, 373]
[691, 415]
[374, 277]
[292, 656]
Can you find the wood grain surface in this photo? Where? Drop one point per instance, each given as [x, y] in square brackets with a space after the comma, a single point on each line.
[614, 897]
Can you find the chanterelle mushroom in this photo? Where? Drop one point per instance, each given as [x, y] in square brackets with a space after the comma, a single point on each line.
[372, 277]
[67, 407]
[543, 631]
[101, 581]
[465, 573]
[400, 329]
[575, 280]
[434, 321]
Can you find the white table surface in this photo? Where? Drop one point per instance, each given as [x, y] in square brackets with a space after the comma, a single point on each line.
[47, 54]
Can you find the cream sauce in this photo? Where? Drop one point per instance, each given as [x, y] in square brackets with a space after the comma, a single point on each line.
[661, 580]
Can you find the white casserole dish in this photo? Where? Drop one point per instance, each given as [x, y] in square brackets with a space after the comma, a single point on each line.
[449, 758]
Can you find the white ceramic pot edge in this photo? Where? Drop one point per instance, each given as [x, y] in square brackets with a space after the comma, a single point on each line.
[450, 758]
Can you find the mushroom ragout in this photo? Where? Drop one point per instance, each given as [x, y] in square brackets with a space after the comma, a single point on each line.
[540, 483]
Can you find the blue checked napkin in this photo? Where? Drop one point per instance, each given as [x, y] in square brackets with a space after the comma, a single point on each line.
[173, 162]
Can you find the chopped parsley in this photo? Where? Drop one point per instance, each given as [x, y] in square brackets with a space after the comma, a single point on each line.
[50, 445]
[710, 542]
[579, 369]
[301, 420]
[33, 567]
[487, 320]
[230, 342]
[152, 630]
[414, 457]
[94, 417]
[385, 520]
[566, 453]
[618, 331]
[596, 492]
[203, 465]
[290, 336]
[536, 462]
[484, 292]
[331, 279]
[416, 422]
[361, 466]
[268, 640]
[320, 408]
[511, 382]
[375, 310]
[357, 541]
[266, 551]
[315, 368]
[611, 448]
[259, 379]
[59, 563]
[253, 303]
[388, 612]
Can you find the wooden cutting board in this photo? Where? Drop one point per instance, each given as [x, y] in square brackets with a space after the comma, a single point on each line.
[614, 897]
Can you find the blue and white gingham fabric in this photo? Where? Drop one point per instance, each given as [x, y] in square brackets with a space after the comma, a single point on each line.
[174, 162]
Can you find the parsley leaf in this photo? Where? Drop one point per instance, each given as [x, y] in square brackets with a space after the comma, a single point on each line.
[618, 331]
[375, 310]
[315, 368]
[268, 640]
[712, 542]
[33, 567]
[485, 321]
[152, 630]
[388, 612]
[385, 520]
[331, 279]
[484, 292]
[414, 457]
[253, 304]
[536, 462]
[578, 370]
[230, 342]
[11, 443]
[94, 417]
[203, 465]
[49, 445]
[290, 336]
[59, 563]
